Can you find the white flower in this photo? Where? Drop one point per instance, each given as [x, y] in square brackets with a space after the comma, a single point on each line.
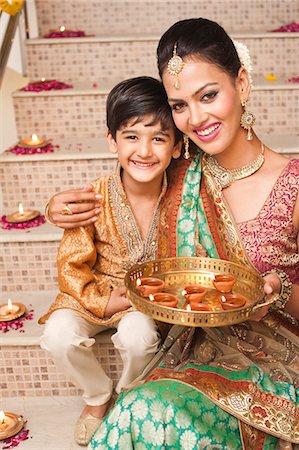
[158, 437]
[148, 431]
[156, 410]
[124, 419]
[186, 225]
[113, 437]
[182, 419]
[203, 443]
[148, 392]
[129, 398]
[125, 442]
[171, 435]
[188, 440]
[140, 446]
[194, 408]
[233, 423]
[208, 418]
[139, 409]
[244, 57]
[114, 415]
[169, 413]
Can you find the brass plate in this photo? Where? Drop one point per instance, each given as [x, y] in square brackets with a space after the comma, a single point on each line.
[13, 316]
[179, 272]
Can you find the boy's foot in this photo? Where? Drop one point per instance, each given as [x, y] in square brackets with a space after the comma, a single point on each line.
[90, 419]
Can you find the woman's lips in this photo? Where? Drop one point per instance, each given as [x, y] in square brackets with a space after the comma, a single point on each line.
[208, 133]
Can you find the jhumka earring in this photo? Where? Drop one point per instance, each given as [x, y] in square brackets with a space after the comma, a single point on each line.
[175, 66]
[247, 120]
[186, 145]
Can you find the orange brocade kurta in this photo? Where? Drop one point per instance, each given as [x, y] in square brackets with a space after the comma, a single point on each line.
[92, 260]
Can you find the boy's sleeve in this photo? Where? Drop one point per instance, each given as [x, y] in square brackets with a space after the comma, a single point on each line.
[76, 257]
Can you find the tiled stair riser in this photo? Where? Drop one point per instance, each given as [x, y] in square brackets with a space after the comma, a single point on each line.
[33, 182]
[156, 16]
[29, 371]
[28, 266]
[92, 60]
[84, 115]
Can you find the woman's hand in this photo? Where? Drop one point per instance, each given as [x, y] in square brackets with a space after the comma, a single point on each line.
[272, 286]
[117, 302]
[83, 203]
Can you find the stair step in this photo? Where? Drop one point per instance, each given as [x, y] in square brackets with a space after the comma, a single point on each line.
[81, 111]
[26, 369]
[47, 429]
[33, 179]
[133, 55]
[113, 17]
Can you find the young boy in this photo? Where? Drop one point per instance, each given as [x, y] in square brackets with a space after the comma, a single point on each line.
[92, 260]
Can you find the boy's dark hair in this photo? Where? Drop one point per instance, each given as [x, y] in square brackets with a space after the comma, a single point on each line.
[200, 38]
[136, 98]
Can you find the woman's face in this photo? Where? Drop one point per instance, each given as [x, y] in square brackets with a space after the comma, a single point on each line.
[207, 106]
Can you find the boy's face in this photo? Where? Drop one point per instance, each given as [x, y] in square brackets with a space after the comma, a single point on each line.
[144, 151]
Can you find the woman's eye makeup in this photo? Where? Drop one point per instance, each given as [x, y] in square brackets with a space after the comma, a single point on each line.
[177, 106]
[209, 95]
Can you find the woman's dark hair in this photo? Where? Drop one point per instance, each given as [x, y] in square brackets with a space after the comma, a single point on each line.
[136, 98]
[199, 38]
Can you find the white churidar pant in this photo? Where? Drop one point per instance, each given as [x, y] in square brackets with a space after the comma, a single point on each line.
[69, 338]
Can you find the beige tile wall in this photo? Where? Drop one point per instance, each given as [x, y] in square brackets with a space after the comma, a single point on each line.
[108, 17]
[91, 61]
[84, 115]
[29, 371]
[37, 181]
[27, 266]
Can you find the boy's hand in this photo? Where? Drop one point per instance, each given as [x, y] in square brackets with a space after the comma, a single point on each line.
[83, 203]
[117, 302]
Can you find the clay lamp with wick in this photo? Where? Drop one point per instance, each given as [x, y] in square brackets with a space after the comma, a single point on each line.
[164, 299]
[194, 293]
[197, 306]
[232, 301]
[149, 285]
[223, 283]
[10, 424]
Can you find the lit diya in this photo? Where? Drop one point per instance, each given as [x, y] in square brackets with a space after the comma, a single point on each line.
[149, 285]
[194, 292]
[164, 299]
[22, 215]
[10, 424]
[11, 311]
[197, 306]
[224, 283]
[232, 301]
[33, 141]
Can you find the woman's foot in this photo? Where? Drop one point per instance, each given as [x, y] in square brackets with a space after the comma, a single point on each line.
[88, 422]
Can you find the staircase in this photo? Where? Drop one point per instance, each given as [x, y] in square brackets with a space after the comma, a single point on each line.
[122, 43]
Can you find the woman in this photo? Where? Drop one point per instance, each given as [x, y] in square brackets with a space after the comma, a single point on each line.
[240, 389]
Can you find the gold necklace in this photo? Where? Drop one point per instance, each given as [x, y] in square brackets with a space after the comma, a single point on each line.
[225, 177]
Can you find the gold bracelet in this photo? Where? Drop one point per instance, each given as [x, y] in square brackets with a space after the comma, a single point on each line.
[47, 215]
[285, 291]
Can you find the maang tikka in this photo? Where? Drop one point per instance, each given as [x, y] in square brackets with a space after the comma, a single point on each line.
[247, 120]
[175, 66]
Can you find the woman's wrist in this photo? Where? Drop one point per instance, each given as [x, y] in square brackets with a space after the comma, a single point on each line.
[47, 216]
[285, 289]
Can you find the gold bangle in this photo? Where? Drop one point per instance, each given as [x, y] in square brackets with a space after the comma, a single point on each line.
[47, 217]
